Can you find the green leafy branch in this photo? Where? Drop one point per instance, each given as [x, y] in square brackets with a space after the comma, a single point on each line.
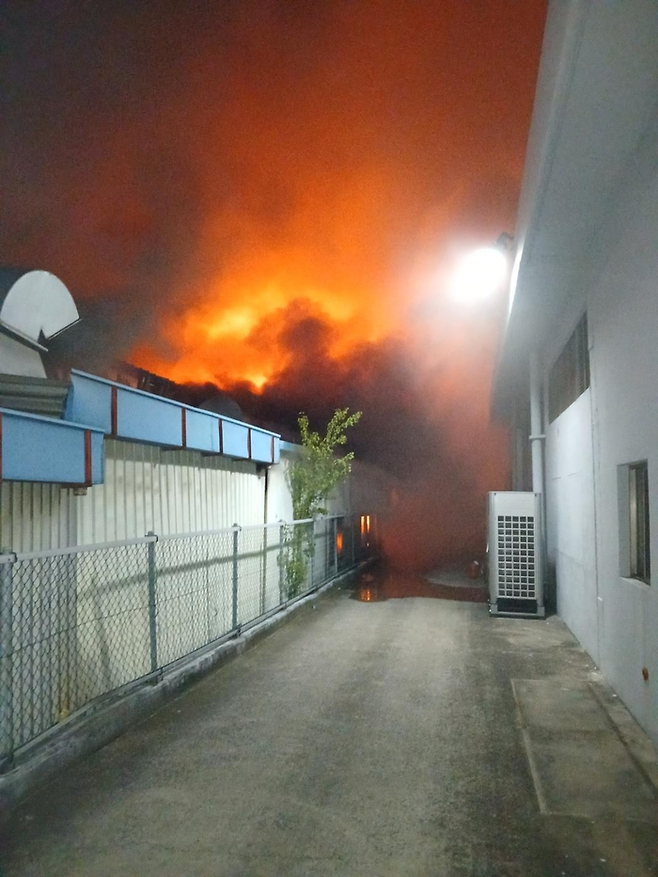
[312, 477]
[317, 471]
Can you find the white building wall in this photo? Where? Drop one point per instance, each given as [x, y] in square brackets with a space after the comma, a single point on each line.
[623, 316]
[571, 519]
[612, 424]
[279, 501]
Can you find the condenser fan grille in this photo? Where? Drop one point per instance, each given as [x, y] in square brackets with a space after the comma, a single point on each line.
[516, 556]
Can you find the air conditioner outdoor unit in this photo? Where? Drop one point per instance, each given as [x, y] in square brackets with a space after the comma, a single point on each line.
[516, 583]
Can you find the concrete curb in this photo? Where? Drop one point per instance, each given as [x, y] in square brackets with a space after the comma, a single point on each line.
[637, 742]
[102, 722]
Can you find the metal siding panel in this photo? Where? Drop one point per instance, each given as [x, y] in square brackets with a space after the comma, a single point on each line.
[89, 403]
[186, 506]
[200, 497]
[202, 431]
[146, 509]
[35, 517]
[147, 419]
[161, 516]
[134, 488]
[168, 492]
[180, 522]
[261, 446]
[35, 450]
[121, 490]
[144, 417]
[169, 503]
[236, 440]
[189, 478]
[97, 458]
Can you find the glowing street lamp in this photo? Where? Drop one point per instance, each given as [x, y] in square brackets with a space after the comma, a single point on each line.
[479, 276]
[481, 273]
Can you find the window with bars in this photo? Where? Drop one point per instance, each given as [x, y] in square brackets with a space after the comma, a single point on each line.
[569, 376]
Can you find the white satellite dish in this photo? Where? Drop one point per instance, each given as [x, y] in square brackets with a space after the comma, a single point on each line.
[34, 305]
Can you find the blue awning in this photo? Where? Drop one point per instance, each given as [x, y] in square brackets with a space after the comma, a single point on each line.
[34, 448]
[126, 413]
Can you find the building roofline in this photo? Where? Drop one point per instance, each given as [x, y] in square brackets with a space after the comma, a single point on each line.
[592, 111]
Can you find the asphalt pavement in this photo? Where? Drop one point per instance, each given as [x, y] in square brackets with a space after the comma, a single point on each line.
[386, 736]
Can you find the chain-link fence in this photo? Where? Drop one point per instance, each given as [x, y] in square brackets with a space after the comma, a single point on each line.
[79, 623]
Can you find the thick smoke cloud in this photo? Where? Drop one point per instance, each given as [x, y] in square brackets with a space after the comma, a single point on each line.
[270, 195]
[425, 425]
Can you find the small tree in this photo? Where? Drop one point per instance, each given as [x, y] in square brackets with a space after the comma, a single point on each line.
[311, 479]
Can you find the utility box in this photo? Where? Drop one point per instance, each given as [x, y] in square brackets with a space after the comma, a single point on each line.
[516, 579]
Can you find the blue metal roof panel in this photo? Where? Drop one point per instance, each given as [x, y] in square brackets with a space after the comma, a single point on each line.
[236, 440]
[133, 414]
[201, 431]
[34, 448]
[261, 447]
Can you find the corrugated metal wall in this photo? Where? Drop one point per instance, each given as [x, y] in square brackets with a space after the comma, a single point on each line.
[147, 489]
[36, 517]
[150, 489]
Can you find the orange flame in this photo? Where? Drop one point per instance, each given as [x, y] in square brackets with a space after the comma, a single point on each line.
[277, 211]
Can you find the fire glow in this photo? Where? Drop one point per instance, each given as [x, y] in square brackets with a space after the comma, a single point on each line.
[270, 210]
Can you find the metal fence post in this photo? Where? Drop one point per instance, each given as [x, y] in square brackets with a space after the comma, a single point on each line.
[263, 577]
[282, 535]
[335, 546]
[314, 554]
[152, 582]
[236, 533]
[6, 662]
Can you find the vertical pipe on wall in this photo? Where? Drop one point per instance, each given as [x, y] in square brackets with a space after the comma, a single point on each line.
[536, 434]
[518, 449]
[537, 439]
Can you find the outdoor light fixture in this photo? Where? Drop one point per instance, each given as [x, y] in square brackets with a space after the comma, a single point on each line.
[479, 275]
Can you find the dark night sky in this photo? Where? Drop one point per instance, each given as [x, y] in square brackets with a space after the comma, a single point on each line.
[275, 192]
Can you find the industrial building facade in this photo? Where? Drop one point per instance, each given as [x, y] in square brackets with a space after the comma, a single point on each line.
[136, 530]
[580, 342]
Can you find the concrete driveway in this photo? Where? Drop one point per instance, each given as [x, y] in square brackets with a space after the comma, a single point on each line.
[411, 737]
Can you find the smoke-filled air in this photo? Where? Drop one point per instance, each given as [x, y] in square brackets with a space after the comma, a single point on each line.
[271, 196]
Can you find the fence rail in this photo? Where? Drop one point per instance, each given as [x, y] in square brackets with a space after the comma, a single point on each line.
[79, 623]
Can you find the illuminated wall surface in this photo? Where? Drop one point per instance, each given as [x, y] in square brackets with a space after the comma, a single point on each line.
[593, 254]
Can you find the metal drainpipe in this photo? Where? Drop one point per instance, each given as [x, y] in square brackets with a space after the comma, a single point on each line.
[536, 433]
[537, 438]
